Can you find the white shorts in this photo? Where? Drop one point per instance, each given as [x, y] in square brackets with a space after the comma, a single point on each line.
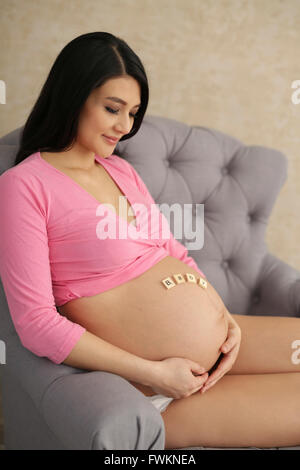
[160, 402]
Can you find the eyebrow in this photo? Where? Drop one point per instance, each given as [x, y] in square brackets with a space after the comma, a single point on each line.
[118, 100]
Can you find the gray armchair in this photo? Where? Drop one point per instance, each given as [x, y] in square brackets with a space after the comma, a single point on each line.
[50, 406]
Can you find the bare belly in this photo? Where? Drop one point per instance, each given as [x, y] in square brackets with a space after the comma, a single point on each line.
[150, 321]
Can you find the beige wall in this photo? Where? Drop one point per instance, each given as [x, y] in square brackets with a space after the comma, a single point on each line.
[225, 64]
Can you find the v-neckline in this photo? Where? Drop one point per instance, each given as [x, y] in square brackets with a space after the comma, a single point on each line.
[93, 197]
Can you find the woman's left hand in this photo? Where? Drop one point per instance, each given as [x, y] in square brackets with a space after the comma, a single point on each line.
[230, 351]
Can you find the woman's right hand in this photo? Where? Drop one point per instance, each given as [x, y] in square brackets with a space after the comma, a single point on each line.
[178, 377]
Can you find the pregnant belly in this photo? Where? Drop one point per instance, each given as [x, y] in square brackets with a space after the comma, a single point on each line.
[143, 317]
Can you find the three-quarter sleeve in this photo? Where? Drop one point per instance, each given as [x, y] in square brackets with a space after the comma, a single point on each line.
[175, 248]
[26, 274]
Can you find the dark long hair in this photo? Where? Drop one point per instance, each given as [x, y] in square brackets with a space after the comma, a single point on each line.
[84, 64]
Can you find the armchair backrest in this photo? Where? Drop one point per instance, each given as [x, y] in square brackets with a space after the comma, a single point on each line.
[238, 185]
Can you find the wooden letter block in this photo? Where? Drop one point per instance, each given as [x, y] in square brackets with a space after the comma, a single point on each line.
[168, 283]
[191, 278]
[202, 283]
[179, 278]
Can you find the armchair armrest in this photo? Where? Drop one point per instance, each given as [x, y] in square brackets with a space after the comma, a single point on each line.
[101, 410]
[277, 292]
[83, 409]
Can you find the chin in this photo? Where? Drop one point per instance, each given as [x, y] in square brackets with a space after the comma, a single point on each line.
[103, 153]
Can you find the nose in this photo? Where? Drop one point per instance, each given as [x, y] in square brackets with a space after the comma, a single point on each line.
[124, 124]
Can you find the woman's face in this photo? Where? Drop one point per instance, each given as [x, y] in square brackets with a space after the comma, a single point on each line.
[102, 116]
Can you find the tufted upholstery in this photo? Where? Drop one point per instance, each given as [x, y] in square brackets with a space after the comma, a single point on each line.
[238, 186]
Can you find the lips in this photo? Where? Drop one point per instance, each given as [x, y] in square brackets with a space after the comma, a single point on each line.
[112, 139]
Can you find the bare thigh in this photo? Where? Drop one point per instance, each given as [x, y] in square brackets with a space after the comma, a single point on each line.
[266, 345]
[239, 411]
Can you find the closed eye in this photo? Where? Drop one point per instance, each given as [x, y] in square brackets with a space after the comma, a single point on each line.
[115, 111]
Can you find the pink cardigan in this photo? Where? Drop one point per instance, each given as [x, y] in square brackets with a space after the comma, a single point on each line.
[53, 247]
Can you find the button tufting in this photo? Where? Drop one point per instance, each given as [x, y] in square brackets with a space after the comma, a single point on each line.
[225, 264]
[225, 170]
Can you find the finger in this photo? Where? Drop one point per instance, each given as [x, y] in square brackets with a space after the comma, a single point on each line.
[197, 369]
[223, 367]
[227, 363]
[200, 383]
[229, 344]
[219, 370]
[211, 384]
[201, 380]
[207, 387]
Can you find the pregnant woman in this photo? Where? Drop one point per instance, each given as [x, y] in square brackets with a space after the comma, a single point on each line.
[135, 305]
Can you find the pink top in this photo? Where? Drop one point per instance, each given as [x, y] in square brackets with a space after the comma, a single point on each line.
[53, 247]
